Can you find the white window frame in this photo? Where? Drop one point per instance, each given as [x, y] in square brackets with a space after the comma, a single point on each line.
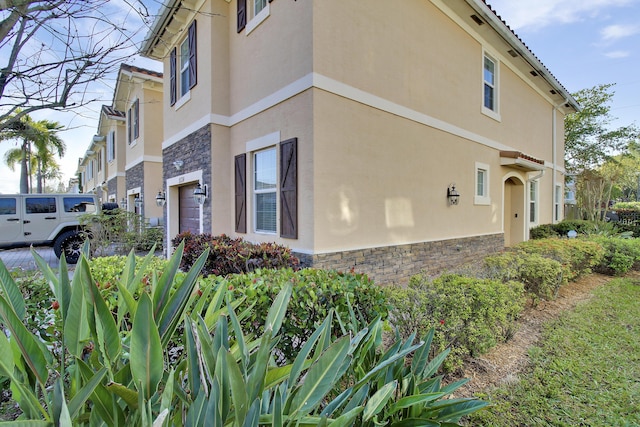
[482, 197]
[558, 197]
[534, 195]
[111, 146]
[257, 192]
[257, 17]
[90, 170]
[100, 160]
[494, 112]
[183, 69]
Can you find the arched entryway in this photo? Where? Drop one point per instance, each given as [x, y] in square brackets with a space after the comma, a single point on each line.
[514, 211]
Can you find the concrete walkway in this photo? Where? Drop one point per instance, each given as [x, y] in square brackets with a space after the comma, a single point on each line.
[23, 259]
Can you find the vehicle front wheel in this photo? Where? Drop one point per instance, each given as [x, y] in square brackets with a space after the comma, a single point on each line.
[70, 243]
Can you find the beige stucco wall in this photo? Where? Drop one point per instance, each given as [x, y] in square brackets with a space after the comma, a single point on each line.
[292, 119]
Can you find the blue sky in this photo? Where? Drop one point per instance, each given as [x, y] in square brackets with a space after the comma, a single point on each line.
[582, 42]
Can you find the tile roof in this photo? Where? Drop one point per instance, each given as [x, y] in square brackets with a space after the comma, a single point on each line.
[134, 69]
[113, 113]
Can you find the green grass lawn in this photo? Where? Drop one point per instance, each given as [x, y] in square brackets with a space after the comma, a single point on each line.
[586, 371]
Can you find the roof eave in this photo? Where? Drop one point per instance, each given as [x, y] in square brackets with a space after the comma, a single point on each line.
[153, 36]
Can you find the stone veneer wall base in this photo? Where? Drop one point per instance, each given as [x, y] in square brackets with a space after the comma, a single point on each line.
[396, 264]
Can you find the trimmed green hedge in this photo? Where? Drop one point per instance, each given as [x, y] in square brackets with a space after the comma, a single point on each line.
[469, 315]
[315, 293]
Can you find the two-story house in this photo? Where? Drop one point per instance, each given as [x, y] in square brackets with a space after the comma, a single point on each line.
[388, 137]
[123, 163]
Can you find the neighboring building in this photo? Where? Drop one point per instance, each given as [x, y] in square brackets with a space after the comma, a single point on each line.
[124, 161]
[339, 128]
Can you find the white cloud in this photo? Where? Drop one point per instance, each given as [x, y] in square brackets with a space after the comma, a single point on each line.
[615, 32]
[536, 14]
[616, 54]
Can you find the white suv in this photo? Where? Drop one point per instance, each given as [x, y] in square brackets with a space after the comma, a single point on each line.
[45, 220]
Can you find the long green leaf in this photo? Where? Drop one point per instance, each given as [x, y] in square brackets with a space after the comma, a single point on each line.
[347, 418]
[421, 356]
[146, 350]
[457, 408]
[6, 356]
[378, 400]
[415, 422]
[238, 389]
[336, 403]
[415, 400]
[103, 325]
[103, 400]
[435, 363]
[278, 309]
[84, 394]
[304, 352]
[27, 423]
[61, 416]
[193, 366]
[253, 415]
[320, 378]
[390, 360]
[163, 288]
[173, 309]
[11, 292]
[259, 369]
[240, 338]
[211, 316]
[76, 325]
[128, 396]
[29, 348]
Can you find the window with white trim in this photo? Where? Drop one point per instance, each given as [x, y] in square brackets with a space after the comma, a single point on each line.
[490, 86]
[184, 67]
[482, 184]
[90, 170]
[265, 185]
[100, 154]
[533, 202]
[111, 146]
[557, 200]
[258, 12]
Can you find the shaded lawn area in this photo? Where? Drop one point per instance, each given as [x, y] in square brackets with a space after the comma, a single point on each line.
[585, 372]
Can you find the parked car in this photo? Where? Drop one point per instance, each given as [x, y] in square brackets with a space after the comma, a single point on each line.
[46, 220]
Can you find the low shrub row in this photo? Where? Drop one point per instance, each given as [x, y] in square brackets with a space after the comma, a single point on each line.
[470, 315]
[231, 256]
[314, 294]
[561, 229]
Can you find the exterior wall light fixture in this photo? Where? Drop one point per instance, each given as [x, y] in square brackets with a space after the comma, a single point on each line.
[123, 204]
[200, 194]
[138, 202]
[161, 199]
[178, 164]
[452, 195]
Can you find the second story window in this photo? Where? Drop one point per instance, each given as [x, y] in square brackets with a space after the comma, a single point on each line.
[258, 5]
[111, 146]
[489, 83]
[133, 121]
[183, 66]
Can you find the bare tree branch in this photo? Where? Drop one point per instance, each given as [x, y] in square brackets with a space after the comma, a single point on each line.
[51, 51]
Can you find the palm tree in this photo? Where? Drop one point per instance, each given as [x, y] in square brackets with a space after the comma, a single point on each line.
[42, 134]
[47, 143]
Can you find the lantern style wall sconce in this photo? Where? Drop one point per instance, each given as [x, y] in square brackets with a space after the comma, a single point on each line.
[200, 194]
[452, 195]
[161, 199]
[178, 164]
[123, 204]
[138, 201]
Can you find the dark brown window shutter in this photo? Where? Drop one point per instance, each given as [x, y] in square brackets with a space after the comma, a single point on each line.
[172, 76]
[289, 188]
[193, 63]
[241, 192]
[242, 14]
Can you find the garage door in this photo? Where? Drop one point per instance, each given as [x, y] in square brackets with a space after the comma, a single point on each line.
[189, 210]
